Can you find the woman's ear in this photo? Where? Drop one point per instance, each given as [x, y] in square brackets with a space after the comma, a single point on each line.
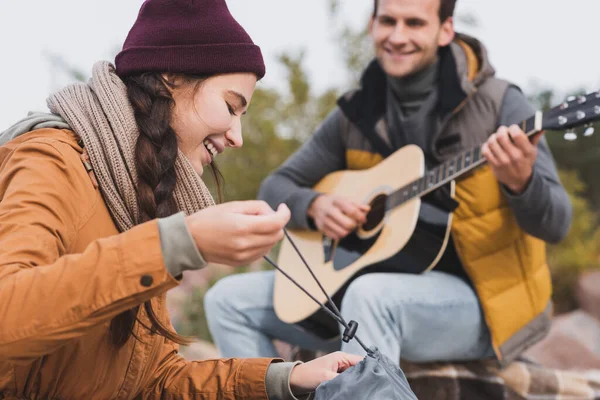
[172, 80]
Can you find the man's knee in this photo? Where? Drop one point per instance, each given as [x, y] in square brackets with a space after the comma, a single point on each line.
[237, 292]
[218, 298]
[363, 291]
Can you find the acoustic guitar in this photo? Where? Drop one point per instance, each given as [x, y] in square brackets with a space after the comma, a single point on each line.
[402, 233]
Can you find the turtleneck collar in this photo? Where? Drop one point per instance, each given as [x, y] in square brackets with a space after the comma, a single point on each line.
[416, 86]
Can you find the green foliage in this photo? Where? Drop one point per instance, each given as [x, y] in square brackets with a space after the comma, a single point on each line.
[194, 322]
[578, 162]
[58, 63]
[355, 47]
[581, 155]
[579, 251]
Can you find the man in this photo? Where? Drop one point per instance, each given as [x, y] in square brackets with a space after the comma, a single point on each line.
[490, 294]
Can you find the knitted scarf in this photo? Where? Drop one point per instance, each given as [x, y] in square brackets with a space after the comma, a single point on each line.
[100, 113]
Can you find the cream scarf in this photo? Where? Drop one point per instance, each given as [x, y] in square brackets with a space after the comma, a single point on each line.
[100, 113]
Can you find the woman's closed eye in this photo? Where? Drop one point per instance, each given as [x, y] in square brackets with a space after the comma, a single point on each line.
[230, 108]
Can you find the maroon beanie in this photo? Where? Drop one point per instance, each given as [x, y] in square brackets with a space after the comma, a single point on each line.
[190, 37]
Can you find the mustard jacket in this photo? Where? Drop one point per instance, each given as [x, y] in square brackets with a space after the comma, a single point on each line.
[65, 272]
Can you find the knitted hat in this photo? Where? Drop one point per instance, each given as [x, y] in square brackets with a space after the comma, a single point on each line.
[190, 37]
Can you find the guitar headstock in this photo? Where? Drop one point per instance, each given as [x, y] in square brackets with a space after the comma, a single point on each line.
[574, 112]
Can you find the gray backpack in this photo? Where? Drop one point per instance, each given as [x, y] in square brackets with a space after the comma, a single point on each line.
[376, 377]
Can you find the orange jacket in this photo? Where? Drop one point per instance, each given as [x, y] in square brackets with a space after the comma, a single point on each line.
[65, 272]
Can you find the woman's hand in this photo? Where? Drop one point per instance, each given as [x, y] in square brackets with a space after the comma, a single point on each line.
[239, 232]
[306, 377]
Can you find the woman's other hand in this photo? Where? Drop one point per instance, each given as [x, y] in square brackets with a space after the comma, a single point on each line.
[306, 377]
[239, 232]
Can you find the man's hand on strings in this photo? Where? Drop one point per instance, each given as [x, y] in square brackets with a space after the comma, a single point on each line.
[511, 156]
[306, 377]
[238, 232]
[336, 216]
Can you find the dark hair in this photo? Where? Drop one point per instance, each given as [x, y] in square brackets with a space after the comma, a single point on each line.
[446, 9]
[155, 154]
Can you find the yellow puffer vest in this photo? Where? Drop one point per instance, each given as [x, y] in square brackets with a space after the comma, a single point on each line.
[506, 265]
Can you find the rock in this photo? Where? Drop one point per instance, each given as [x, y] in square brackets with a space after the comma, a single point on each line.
[285, 350]
[573, 343]
[192, 280]
[588, 292]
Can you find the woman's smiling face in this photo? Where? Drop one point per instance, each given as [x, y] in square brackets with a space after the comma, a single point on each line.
[207, 115]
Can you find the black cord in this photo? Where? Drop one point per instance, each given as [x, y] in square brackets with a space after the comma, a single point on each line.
[287, 235]
[327, 310]
[350, 329]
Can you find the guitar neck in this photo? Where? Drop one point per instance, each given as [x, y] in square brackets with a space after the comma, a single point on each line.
[453, 168]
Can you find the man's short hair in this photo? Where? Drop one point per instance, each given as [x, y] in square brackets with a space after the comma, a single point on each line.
[446, 9]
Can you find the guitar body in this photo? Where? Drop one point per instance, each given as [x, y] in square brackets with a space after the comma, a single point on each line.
[409, 238]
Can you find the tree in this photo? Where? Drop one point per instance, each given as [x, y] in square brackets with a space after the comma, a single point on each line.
[581, 155]
[579, 251]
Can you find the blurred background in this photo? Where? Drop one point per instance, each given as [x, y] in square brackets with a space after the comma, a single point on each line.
[315, 50]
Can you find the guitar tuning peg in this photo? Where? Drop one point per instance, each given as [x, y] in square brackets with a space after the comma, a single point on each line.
[570, 136]
[571, 98]
[589, 131]
[581, 99]
[597, 110]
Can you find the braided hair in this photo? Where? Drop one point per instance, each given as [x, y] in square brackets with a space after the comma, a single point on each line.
[155, 154]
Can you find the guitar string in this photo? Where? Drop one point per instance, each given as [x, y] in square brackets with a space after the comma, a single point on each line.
[335, 313]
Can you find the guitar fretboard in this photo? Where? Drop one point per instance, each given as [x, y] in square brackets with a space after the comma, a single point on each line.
[447, 171]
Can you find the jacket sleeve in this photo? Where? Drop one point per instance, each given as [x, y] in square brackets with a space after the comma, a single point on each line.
[47, 296]
[222, 379]
[292, 183]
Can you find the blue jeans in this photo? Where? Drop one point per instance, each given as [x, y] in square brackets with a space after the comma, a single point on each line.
[430, 317]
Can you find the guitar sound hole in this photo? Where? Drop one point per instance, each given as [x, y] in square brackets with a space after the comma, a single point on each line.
[377, 213]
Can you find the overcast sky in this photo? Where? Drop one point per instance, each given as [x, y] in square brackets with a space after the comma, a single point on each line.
[531, 42]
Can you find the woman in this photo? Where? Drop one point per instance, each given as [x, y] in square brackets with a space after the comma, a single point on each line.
[93, 225]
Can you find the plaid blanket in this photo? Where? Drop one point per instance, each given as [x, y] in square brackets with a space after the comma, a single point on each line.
[484, 380]
[521, 380]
